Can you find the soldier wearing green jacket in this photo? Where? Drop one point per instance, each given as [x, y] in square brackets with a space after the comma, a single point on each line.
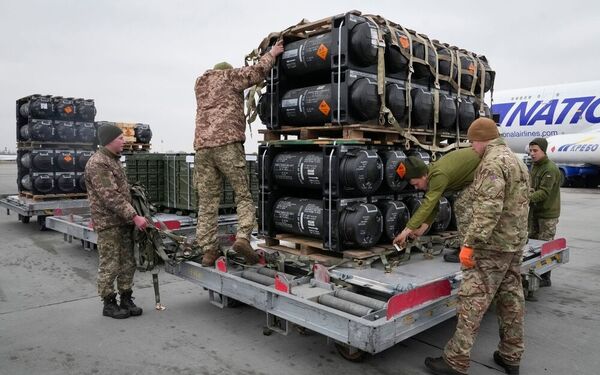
[453, 172]
[544, 208]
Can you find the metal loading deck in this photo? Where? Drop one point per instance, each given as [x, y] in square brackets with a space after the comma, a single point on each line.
[412, 298]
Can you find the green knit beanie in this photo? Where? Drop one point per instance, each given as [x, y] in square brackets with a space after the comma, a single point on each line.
[542, 142]
[108, 133]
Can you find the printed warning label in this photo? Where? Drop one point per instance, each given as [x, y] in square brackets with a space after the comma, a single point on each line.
[322, 51]
[324, 108]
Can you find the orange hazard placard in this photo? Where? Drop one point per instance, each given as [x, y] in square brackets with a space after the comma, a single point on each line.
[404, 42]
[68, 158]
[324, 108]
[68, 109]
[471, 68]
[401, 170]
[322, 52]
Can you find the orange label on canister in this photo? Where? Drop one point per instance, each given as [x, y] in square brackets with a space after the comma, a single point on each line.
[322, 52]
[324, 108]
[404, 42]
[401, 170]
[471, 68]
[68, 158]
[68, 109]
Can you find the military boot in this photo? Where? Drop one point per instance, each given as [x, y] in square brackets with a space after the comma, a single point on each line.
[127, 304]
[112, 309]
[439, 366]
[210, 257]
[242, 247]
[508, 368]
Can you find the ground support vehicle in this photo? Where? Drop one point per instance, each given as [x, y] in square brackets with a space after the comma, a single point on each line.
[27, 207]
[361, 306]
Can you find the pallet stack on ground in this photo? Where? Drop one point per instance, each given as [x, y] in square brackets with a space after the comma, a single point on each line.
[55, 138]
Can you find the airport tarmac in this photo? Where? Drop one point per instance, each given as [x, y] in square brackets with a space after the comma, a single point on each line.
[51, 321]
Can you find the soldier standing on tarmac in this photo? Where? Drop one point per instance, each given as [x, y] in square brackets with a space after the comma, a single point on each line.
[544, 208]
[114, 218]
[491, 255]
[219, 144]
[452, 173]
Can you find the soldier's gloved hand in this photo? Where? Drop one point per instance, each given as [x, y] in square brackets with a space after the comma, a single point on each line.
[466, 257]
[140, 222]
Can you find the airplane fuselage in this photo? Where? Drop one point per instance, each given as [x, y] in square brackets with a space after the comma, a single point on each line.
[546, 111]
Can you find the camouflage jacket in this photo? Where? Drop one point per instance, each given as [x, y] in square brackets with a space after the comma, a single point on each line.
[108, 191]
[500, 201]
[220, 103]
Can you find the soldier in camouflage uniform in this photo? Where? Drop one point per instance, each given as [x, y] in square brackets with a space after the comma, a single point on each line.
[545, 198]
[113, 218]
[453, 172]
[219, 144]
[491, 255]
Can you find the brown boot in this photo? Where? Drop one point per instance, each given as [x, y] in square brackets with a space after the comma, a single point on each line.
[242, 247]
[210, 257]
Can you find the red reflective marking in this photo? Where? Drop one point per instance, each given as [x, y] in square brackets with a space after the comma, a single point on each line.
[412, 298]
[170, 224]
[221, 265]
[554, 245]
[58, 212]
[281, 284]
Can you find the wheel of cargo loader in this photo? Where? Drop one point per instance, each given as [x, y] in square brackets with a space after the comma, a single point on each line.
[349, 353]
[41, 221]
[24, 219]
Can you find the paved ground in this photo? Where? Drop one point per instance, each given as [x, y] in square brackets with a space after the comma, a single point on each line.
[51, 323]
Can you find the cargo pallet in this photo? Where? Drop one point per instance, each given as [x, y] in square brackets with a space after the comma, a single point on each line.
[136, 147]
[47, 197]
[361, 310]
[373, 134]
[27, 207]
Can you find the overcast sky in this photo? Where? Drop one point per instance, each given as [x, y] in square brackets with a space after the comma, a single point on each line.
[139, 59]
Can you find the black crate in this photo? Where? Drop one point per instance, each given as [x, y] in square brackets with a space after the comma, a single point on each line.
[330, 221]
[331, 171]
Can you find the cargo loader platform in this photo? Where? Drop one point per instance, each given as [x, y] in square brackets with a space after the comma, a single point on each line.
[26, 207]
[362, 310]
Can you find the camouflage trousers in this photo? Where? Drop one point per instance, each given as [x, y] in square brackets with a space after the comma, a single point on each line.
[116, 260]
[210, 166]
[495, 278]
[463, 211]
[542, 229]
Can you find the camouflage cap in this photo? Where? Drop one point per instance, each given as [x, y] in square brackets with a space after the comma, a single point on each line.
[413, 167]
[223, 66]
[542, 142]
[483, 129]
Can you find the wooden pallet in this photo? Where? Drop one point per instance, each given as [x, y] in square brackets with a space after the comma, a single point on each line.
[373, 134]
[313, 249]
[137, 147]
[46, 197]
[38, 144]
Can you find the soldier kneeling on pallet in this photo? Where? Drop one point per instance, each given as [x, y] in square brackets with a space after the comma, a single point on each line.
[453, 172]
[114, 218]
